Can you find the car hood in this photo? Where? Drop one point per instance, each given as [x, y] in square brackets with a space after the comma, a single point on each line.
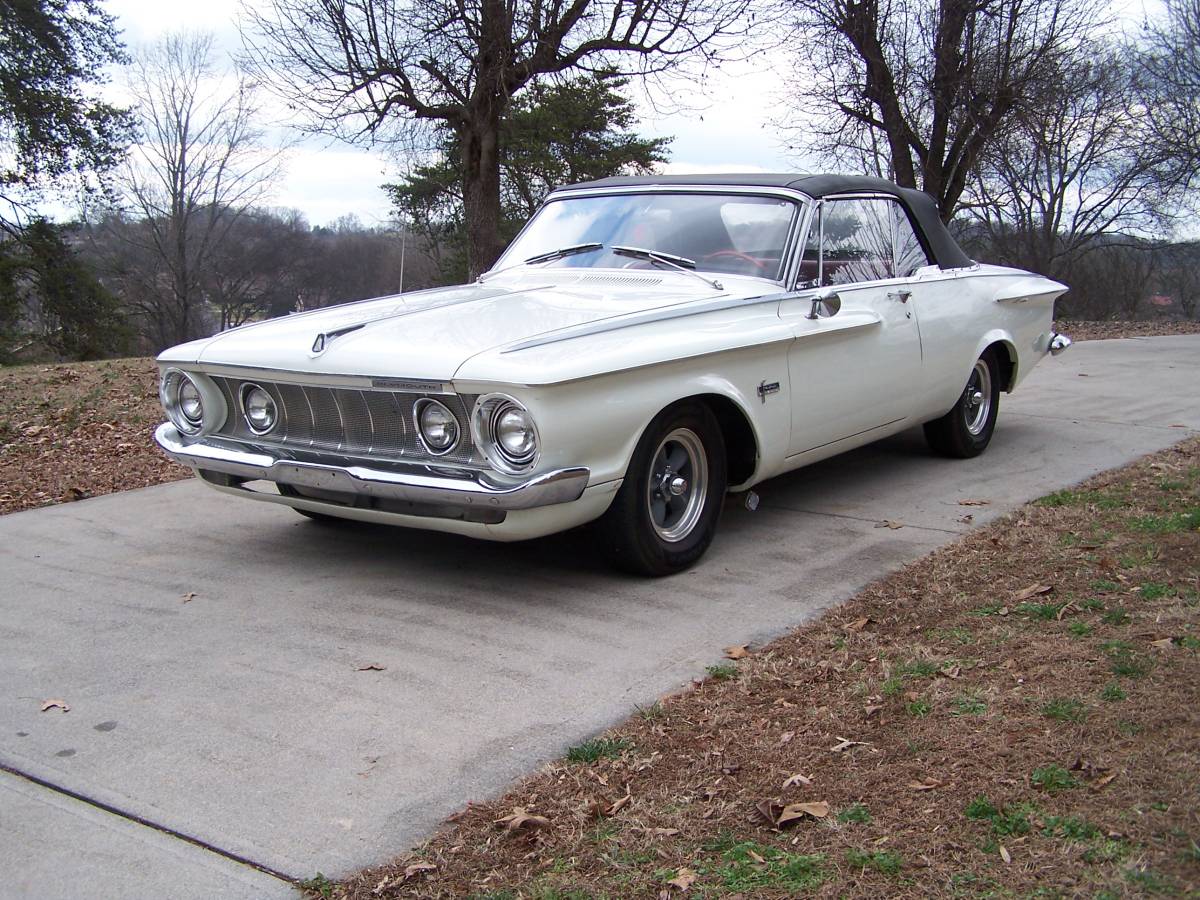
[430, 334]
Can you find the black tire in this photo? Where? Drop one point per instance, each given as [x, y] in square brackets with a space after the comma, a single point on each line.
[650, 530]
[288, 491]
[967, 429]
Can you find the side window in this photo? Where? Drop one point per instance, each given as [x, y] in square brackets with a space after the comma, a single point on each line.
[910, 255]
[856, 241]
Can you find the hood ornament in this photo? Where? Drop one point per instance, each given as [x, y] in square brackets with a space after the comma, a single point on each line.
[325, 338]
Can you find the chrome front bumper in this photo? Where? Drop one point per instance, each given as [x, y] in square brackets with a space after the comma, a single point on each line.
[404, 482]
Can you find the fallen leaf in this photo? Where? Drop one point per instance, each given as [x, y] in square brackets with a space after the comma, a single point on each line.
[1101, 782]
[859, 624]
[966, 518]
[1033, 590]
[417, 868]
[951, 671]
[927, 785]
[371, 667]
[1164, 644]
[187, 598]
[794, 811]
[619, 805]
[888, 523]
[1004, 854]
[520, 819]
[662, 832]
[56, 704]
[754, 856]
[974, 502]
[796, 779]
[684, 879]
[737, 651]
[844, 744]
[786, 737]
[765, 812]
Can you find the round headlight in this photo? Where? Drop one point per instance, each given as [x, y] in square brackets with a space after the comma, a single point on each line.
[515, 434]
[190, 403]
[505, 432]
[437, 426]
[259, 409]
[182, 400]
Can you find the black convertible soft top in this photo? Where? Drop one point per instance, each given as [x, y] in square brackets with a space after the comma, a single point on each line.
[921, 207]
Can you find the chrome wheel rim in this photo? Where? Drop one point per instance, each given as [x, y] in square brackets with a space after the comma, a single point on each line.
[678, 485]
[977, 398]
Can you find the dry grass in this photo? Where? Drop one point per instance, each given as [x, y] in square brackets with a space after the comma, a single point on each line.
[1024, 718]
[1098, 331]
[77, 430]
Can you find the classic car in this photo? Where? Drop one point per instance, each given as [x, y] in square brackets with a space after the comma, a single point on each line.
[642, 348]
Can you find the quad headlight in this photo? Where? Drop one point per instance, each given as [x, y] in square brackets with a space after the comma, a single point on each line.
[505, 432]
[259, 409]
[191, 402]
[437, 426]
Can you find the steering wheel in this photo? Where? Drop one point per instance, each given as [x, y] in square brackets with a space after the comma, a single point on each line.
[736, 254]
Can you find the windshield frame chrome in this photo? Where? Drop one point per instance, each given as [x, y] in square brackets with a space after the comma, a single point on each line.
[800, 218]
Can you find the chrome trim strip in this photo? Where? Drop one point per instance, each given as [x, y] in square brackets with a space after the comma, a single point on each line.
[778, 193]
[319, 379]
[414, 483]
[645, 317]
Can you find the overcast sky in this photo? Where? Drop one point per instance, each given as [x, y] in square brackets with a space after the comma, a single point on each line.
[326, 180]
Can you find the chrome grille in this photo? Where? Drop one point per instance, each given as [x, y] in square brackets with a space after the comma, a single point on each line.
[346, 421]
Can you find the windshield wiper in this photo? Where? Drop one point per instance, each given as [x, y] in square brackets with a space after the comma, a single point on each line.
[682, 263]
[562, 251]
[548, 256]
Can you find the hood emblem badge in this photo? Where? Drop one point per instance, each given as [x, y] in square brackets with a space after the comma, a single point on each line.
[325, 338]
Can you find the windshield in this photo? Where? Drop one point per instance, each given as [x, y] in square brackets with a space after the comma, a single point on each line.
[739, 234]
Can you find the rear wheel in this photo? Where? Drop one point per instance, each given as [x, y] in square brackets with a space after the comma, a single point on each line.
[665, 514]
[967, 429]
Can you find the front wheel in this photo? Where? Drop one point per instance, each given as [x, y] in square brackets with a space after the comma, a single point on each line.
[967, 429]
[665, 514]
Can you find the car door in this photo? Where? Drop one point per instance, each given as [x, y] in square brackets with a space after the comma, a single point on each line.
[855, 367]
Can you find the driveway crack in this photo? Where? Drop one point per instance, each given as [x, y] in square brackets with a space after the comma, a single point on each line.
[833, 515]
[148, 823]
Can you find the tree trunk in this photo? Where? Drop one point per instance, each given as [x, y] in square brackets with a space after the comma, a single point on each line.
[480, 142]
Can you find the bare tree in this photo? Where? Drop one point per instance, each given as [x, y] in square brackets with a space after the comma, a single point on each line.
[258, 269]
[1179, 276]
[200, 163]
[1171, 73]
[1076, 168]
[918, 89]
[362, 67]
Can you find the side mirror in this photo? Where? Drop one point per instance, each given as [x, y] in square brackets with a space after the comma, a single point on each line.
[825, 303]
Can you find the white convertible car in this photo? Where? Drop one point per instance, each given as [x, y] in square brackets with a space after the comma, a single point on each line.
[643, 347]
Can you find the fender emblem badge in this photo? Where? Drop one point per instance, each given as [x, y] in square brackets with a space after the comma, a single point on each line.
[765, 388]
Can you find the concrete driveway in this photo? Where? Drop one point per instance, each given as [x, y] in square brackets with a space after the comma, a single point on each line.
[217, 746]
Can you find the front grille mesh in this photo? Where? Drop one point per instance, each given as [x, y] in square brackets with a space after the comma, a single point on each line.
[346, 421]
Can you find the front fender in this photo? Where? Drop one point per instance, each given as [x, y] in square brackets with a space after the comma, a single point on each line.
[598, 421]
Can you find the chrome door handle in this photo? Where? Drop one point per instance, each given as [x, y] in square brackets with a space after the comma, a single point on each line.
[901, 295]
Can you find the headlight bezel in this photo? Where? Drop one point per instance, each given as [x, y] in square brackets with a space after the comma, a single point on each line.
[485, 417]
[243, 392]
[418, 410]
[211, 403]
